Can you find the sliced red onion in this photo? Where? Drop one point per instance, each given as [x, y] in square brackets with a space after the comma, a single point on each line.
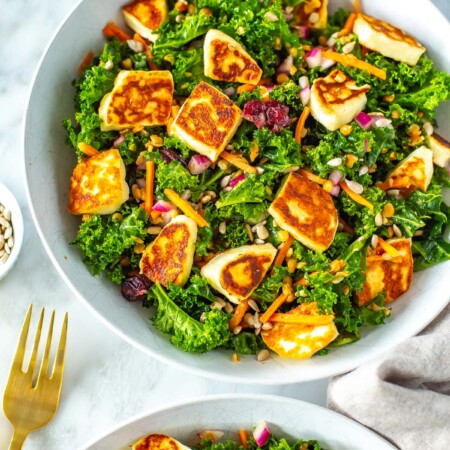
[269, 87]
[364, 120]
[261, 433]
[230, 91]
[366, 145]
[326, 63]
[118, 141]
[314, 58]
[355, 187]
[198, 164]
[211, 434]
[305, 95]
[303, 31]
[335, 162]
[162, 206]
[335, 191]
[140, 182]
[236, 180]
[383, 123]
[303, 81]
[286, 65]
[335, 177]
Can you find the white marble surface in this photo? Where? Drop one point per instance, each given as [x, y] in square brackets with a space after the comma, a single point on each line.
[107, 380]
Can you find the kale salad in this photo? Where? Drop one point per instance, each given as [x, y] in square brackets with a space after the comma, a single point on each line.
[264, 175]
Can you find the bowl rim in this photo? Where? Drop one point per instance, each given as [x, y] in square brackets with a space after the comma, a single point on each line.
[9, 201]
[339, 367]
[234, 396]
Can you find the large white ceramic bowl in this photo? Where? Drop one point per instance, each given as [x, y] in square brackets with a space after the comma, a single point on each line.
[49, 163]
[292, 419]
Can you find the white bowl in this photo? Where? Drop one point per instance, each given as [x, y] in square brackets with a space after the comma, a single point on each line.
[8, 200]
[292, 419]
[49, 164]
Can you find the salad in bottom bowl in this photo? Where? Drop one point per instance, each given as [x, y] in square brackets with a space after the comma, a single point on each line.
[264, 175]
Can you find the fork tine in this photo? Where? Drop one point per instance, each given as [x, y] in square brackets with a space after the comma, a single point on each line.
[37, 340]
[46, 358]
[58, 368]
[20, 351]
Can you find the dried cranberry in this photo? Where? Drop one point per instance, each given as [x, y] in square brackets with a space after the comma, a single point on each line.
[135, 288]
[272, 114]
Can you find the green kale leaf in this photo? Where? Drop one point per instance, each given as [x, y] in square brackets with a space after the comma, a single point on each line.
[250, 190]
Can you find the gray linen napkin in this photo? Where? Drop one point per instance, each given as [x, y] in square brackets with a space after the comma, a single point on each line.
[405, 394]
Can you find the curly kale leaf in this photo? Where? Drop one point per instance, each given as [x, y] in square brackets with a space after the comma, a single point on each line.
[102, 240]
[236, 235]
[246, 343]
[189, 334]
[249, 212]
[175, 176]
[289, 94]
[269, 289]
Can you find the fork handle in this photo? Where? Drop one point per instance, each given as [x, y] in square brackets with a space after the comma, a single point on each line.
[17, 440]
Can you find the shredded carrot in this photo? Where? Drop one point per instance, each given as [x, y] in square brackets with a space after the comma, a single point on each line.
[346, 227]
[87, 149]
[301, 124]
[86, 61]
[388, 248]
[148, 52]
[353, 61]
[348, 26]
[113, 30]
[149, 185]
[357, 6]
[238, 161]
[273, 308]
[238, 315]
[305, 319]
[283, 251]
[354, 196]
[301, 282]
[185, 207]
[312, 177]
[243, 438]
[246, 88]
[254, 151]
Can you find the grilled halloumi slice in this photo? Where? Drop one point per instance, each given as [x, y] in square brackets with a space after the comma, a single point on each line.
[441, 150]
[415, 170]
[97, 184]
[313, 13]
[237, 272]
[388, 40]
[227, 60]
[207, 121]
[306, 211]
[392, 277]
[158, 442]
[297, 340]
[170, 256]
[145, 17]
[336, 99]
[139, 97]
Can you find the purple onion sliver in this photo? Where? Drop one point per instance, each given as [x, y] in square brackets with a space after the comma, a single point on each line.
[335, 176]
[118, 141]
[364, 120]
[335, 190]
[236, 180]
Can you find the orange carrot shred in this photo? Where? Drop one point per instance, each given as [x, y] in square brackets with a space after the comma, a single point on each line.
[238, 315]
[238, 161]
[243, 438]
[185, 207]
[388, 248]
[283, 251]
[272, 308]
[254, 151]
[301, 282]
[301, 125]
[354, 196]
[246, 88]
[86, 61]
[348, 26]
[113, 30]
[149, 185]
[87, 149]
[357, 6]
[312, 177]
[306, 319]
[148, 52]
[352, 61]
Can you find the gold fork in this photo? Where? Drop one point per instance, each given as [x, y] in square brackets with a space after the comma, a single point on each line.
[31, 401]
